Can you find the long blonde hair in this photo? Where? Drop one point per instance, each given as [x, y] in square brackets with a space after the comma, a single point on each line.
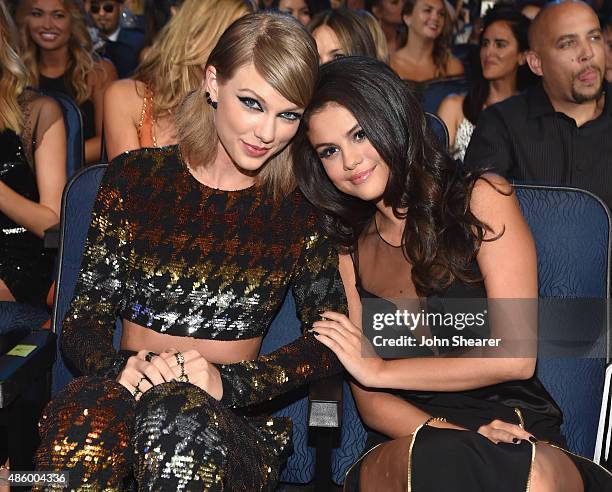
[13, 74]
[174, 65]
[81, 63]
[285, 55]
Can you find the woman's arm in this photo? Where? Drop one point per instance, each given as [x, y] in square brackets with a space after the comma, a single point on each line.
[100, 79]
[50, 167]
[508, 266]
[122, 108]
[451, 113]
[87, 329]
[316, 286]
[381, 411]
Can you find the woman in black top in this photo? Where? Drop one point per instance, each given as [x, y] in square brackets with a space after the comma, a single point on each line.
[420, 231]
[32, 176]
[58, 53]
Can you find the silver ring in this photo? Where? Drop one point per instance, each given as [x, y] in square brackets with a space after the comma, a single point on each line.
[136, 392]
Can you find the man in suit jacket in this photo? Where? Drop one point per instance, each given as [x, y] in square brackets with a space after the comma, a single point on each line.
[122, 46]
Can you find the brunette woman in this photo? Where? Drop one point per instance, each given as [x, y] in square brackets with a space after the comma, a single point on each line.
[420, 233]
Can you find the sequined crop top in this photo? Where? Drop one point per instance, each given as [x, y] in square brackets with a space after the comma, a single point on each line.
[178, 257]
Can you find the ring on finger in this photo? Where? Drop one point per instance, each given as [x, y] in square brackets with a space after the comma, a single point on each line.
[138, 385]
[150, 356]
[136, 392]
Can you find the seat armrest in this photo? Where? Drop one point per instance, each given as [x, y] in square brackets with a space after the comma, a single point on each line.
[17, 373]
[51, 237]
[325, 402]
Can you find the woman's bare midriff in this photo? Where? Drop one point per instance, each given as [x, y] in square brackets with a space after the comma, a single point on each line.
[136, 337]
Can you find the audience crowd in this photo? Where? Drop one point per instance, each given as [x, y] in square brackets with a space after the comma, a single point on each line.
[525, 92]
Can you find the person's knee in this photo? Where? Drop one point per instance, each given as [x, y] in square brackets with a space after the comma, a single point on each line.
[176, 397]
[90, 420]
[174, 412]
[85, 397]
[554, 471]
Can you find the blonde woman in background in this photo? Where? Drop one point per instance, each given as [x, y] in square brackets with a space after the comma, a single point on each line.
[58, 53]
[425, 50]
[140, 111]
[32, 176]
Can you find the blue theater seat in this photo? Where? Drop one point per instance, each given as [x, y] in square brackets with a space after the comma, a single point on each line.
[73, 121]
[439, 129]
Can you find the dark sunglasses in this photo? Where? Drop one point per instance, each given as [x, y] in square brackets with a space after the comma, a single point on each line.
[108, 7]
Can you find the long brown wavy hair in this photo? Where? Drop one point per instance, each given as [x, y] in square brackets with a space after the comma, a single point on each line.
[426, 188]
[81, 61]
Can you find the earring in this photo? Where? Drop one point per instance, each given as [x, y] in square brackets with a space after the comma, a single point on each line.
[210, 101]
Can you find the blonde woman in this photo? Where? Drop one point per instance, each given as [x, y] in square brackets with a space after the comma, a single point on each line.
[57, 51]
[195, 245]
[140, 111]
[32, 176]
[425, 50]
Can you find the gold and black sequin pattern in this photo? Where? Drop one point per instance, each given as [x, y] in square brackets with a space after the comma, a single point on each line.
[176, 437]
[173, 255]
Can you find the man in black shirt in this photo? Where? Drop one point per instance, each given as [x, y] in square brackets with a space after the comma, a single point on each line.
[560, 131]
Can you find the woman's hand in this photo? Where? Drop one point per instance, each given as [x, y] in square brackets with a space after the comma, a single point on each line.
[498, 431]
[354, 351]
[197, 369]
[142, 372]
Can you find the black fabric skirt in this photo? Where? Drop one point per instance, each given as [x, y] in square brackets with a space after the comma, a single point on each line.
[465, 461]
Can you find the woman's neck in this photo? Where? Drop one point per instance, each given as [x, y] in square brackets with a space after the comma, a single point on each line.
[388, 225]
[418, 49]
[222, 173]
[501, 89]
[53, 62]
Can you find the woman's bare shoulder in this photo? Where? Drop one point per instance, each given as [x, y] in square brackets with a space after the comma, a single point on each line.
[454, 67]
[126, 93]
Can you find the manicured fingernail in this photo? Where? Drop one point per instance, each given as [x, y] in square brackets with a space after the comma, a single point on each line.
[515, 440]
[533, 439]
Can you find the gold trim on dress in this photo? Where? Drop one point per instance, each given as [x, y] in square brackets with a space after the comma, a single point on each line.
[359, 460]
